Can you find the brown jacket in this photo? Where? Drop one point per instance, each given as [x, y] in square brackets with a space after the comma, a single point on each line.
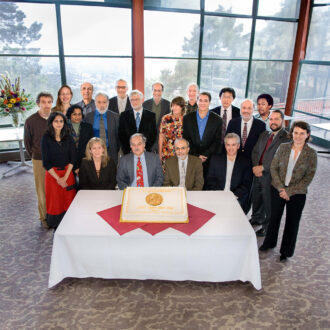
[194, 175]
[302, 174]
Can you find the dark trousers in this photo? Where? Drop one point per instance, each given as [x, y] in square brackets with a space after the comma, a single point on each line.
[261, 205]
[294, 208]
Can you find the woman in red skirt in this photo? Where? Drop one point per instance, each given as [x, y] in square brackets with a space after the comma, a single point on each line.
[58, 157]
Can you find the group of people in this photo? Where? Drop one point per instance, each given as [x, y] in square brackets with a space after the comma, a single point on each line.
[125, 141]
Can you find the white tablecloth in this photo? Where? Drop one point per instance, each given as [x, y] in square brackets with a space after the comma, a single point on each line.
[224, 249]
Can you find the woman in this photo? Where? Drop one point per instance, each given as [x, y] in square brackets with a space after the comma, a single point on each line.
[171, 128]
[64, 97]
[80, 131]
[292, 170]
[97, 170]
[58, 158]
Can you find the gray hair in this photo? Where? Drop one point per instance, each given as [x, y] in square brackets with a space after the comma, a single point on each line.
[102, 94]
[135, 92]
[179, 140]
[193, 84]
[86, 82]
[123, 80]
[144, 139]
[233, 136]
[249, 100]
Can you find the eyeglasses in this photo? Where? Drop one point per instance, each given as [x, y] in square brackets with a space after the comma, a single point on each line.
[121, 87]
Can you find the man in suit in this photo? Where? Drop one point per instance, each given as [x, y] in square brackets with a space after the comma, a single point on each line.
[120, 102]
[247, 128]
[87, 103]
[202, 129]
[192, 93]
[105, 124]
[183, 170]
[138, 120]
[158, 106]
[227, 111]
[231, 171]
[264, 103]
[139, 168]
[262, 156]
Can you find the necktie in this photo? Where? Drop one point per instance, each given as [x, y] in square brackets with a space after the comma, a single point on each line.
[137, 121]
[224, 124]
[269, 141]
[102, 130]
[182, 175]
[244, 136]
[139, 174]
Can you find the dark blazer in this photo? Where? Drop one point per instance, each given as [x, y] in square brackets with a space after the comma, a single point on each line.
[127, 127]
[125, 173]
[113, 104]
[257, 128]
[211, 142]
[302, 174]
[85, 134]
[235, 112]
[194, 174]
[113, 126]
[241, 179]
[164, 105]
[88, 179]
[280, 137]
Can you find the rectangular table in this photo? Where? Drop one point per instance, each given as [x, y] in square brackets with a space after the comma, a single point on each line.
[224, 249]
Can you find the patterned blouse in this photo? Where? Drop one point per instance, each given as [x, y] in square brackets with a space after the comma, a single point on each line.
[171, 127]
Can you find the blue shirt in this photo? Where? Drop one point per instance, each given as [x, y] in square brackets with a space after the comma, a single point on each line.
[96, 125]
[266, 121]
[144, 168]
[202, 123]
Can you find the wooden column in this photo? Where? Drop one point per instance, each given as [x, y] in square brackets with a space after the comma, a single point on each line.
[299, 52]
[138, 45]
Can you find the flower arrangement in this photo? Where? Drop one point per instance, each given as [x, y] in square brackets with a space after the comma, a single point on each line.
[13, 101]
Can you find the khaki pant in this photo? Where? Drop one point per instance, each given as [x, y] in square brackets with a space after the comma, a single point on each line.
[39, 181]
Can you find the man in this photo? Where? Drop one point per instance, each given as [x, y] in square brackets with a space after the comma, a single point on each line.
[192, 93]
[139, 168]
[247, 128]
[34, 128]
[264, 103]
[202, 129]
[138, 120]
[183, 170]
[227, 111]
[262, 156]
[120, 103]
[105, 124]
[87, 103]
[157, 104]
[231, 171]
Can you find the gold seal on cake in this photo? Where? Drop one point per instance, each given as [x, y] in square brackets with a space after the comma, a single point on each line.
[154, 199]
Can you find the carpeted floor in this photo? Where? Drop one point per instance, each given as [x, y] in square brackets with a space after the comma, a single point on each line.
[295, 294]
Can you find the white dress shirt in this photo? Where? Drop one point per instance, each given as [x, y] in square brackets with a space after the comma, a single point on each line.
[229, 173]
[248, 127]
[229, 113]
[183, 171]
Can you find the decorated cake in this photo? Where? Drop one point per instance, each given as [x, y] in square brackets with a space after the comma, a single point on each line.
[154, 205]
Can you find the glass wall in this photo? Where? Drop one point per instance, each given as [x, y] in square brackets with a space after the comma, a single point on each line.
[246, 44]
[312, 99]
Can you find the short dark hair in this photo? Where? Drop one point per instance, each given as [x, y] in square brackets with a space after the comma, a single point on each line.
[303, 125]
[267, 97]
[65, 131]
[206, 94]
[44, 94]
[72, 108]
[280, 112]
[179, 100]
[228, 90]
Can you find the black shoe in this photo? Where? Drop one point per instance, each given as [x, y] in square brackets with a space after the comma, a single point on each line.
[261, 232]
[263, 248]
[253, 222]
[283, 258]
